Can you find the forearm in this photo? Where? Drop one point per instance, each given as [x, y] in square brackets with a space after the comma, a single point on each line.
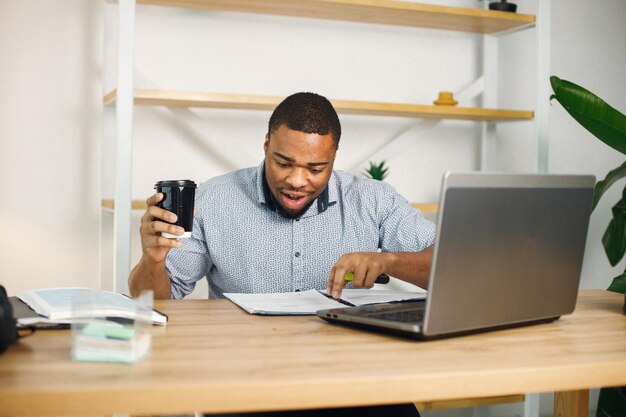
[150, 276]
[412, 267]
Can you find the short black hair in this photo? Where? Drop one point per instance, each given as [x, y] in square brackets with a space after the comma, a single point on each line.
[308, 113]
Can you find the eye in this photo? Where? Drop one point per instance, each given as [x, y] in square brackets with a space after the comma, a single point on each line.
[282, 164]
[316, 170]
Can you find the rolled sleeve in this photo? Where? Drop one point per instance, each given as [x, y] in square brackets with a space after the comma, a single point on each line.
[188, 264]
[403, 227]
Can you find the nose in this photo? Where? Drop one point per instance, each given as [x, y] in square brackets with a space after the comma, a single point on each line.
[297, 178]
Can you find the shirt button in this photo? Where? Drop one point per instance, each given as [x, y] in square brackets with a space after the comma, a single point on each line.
[297, 219]
[297, 254]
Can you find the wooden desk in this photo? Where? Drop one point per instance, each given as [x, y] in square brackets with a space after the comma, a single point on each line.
[216, 358]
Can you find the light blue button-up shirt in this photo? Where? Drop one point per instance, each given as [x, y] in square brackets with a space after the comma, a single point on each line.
[241, 244]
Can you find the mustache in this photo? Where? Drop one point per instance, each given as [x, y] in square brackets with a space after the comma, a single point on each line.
[295, 190]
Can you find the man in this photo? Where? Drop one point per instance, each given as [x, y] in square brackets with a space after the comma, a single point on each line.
[290, 224]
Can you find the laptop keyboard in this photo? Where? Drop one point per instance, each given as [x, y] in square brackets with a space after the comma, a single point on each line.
[406, 316]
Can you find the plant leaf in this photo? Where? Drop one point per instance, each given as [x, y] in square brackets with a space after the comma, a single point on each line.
[618, 284]
[610, 179]
[593, 113]
[614, 238]
[376, 172]
[612, 402]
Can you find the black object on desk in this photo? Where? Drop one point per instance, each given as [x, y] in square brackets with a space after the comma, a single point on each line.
[21, 310]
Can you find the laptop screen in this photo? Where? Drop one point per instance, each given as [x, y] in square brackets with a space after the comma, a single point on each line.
[509, 249]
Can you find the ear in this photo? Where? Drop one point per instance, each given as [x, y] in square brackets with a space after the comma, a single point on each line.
[266, 144]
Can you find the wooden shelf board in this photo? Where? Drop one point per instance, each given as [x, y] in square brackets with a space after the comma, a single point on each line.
[469, 402]
[109, 204]
[426, 207]
[259, 102]
[389, 12]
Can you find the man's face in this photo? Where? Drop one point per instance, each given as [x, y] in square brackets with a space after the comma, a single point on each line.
[297, 166]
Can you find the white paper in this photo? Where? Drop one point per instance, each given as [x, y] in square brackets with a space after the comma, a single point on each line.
[362, 296]
[309, 302]
[283, 303]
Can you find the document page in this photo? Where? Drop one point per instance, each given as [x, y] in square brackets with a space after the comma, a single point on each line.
[308, 302]
[284, 303]
[362, 296]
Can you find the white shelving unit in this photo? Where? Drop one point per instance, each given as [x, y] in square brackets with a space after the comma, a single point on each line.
[490, 23]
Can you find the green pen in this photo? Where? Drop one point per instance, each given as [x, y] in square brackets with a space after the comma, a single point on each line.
[382, 279]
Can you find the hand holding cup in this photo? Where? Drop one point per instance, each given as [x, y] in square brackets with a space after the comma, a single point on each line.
[178, 198]
[168, 217]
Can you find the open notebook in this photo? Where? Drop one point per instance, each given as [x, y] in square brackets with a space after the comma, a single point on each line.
[58, 305]
[309, 302]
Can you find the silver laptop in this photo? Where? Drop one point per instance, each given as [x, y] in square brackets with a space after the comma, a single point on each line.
[508, 252]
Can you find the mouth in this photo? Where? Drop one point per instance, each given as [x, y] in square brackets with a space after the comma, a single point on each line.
[293, 201]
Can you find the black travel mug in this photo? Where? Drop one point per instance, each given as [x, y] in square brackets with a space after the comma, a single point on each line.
[178, 197]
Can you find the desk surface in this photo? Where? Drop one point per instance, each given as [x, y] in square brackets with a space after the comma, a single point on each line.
[214, 357]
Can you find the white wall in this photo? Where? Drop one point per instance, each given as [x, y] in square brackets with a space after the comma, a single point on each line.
[50, 95]
[197, 50]
[52, 82]
[588, 49]
[50, 114]
[184, 49]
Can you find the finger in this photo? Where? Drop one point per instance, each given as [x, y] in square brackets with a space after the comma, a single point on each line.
[161, 227]
[153, 211]
[158, 241]
[360, 272]
[146, 217]
[154, 199]
[371, 277]
[331, 278]
[159, 213]
[339, 281]
[155, 228]
[164, 241]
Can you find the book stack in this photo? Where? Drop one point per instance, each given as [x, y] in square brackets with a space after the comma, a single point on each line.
[108, 341]
[70, 305]
[106, 326]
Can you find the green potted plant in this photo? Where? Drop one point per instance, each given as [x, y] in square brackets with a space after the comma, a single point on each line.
[608, 125]
[376, 171]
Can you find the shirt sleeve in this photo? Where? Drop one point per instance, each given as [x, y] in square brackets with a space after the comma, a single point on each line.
[189, 263]
[403, 228]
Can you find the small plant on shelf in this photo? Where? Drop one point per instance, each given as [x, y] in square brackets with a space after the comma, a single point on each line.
[376, 171]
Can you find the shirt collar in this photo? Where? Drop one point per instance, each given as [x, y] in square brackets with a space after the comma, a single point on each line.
[326, 199]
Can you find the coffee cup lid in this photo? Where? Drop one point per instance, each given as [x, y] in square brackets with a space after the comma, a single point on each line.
[175, 183]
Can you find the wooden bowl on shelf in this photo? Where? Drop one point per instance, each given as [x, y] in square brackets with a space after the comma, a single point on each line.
[446, 98]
